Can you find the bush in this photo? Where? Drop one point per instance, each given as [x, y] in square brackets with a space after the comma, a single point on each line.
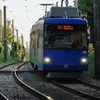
[91, 66]
[1, 58]
[9, 58]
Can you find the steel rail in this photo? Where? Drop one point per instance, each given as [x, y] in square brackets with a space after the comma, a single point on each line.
[88, 84]
[79, 93]
[2, 97]
[8, 64]
[28, 88]
[82, 94]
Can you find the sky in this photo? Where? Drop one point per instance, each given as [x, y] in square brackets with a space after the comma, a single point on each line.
[25, 13]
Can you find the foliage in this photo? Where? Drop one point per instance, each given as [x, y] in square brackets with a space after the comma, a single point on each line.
[8, 35]
[9, 58]
[91, 66]
[87, 6]
[26, 55]
[15, 46]
[16, 50]
[40, 85]
[20, 47]
[1, 58]
[82, 5]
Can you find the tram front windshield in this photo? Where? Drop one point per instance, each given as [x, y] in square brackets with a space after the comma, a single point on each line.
[70, 37]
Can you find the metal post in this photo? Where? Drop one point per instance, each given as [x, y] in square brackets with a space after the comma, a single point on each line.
[17, 42]
[46, 6]
[0, 24]
[76, 3]
[22, 39]
[62, 3]
[13, 36]
[66, 3]
[27, 46]
[5, 39]
[97, 38]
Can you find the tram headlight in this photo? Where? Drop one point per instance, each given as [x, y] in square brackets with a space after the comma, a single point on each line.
[84, 60]
[47, 60]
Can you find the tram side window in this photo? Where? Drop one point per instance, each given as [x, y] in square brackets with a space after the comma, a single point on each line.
[33, 40]
[40, 40]
[37, 38]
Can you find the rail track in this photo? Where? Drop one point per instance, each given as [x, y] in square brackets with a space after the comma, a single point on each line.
[42, 96]
[2, 96]
[16, 70]
[28, 88]
[88, 84]
[73, 90]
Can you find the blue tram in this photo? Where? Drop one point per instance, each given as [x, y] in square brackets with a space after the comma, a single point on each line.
[58, 47]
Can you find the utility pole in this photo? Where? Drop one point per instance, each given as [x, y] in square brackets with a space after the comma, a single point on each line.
[66, 3]
[5, 39]
[17, 49]
[97, 38]
[13, 37]
[22, 39]
[0, 24]
[76, 3]
[27, 46]
[62, 3]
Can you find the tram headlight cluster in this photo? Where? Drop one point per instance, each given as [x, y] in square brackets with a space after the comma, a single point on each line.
[47, 60]
[84, 61]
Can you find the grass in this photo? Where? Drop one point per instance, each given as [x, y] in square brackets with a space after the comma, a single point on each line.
[91, 66]
[40, 85]
[91, 62]
[9, 59]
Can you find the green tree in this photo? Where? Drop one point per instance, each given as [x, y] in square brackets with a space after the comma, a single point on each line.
[87, 6]
[8, 35]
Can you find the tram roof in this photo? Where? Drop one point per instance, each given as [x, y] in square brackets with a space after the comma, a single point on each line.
[64, 21]
[71, 12]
